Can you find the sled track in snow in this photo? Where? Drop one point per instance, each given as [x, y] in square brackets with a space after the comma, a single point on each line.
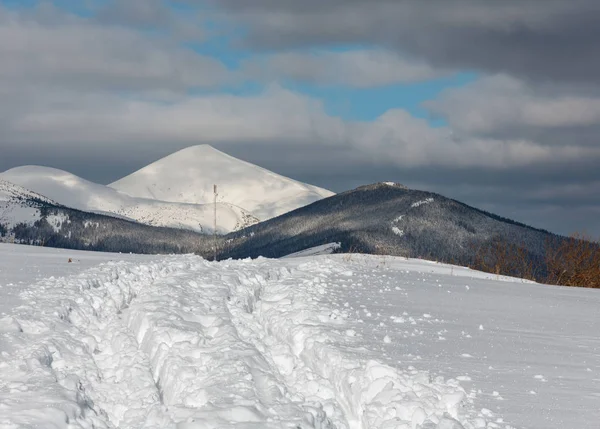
[183, 343]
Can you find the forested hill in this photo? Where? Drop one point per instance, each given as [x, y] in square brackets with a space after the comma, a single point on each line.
[385, 218]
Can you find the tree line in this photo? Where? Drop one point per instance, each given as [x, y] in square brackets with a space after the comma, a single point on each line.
[567, 261]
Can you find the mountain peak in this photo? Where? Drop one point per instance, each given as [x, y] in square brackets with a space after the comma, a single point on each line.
[197, 150]
[188, 176]
[380, 185]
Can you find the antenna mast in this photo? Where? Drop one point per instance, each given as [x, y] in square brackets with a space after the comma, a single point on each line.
[215, 224]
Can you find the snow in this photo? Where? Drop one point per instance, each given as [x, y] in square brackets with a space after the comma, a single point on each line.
[21, 266]
[56, 220]
[397, 231]
[422, 202]
[74, 192]
[188, 176]
[324, 249]
[344, 341]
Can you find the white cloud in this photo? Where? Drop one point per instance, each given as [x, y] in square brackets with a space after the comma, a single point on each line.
[500, 102]
[276, 116]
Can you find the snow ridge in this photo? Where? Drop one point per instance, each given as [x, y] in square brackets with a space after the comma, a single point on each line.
[10, 191]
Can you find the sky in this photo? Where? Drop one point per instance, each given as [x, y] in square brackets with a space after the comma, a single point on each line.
[496, 104]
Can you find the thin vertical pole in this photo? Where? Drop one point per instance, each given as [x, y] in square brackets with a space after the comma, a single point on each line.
[215, 224]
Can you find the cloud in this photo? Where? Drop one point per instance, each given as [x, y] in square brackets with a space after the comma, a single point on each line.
[499, 102]
[118, 89]
[153, 15]
[277, 116]
[71, 52]
[550, 39]
[363, 68]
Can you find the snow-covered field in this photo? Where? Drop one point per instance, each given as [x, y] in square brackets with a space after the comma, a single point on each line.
[343, 341]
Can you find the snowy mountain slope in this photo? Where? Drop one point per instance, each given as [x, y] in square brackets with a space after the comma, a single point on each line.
[387, 219]
[11, 192]
[188, 176]
[75, 192]
[140, 344]
[18, 204]
[30, 218]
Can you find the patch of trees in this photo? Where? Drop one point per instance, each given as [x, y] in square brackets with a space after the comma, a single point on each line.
[572, 261]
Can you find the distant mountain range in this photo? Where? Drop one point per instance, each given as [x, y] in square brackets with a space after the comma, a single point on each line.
[40, 205]
[30, 218]
[177, 191]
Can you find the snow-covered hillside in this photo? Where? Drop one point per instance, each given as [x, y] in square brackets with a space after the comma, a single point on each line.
[344, 341]
[176, 191]
[188, 176]
[18, 204]
[75, 192]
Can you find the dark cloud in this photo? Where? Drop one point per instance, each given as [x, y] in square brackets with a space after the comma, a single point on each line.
[99, 163]
[549, 39]
[148, 14]
[152, 15]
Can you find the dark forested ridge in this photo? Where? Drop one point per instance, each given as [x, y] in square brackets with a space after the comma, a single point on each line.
[389, 219]
[73, 229]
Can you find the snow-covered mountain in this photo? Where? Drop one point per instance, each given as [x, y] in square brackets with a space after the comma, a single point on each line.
[188, 176]
[73, 191]
[177, 191]
[27, 217]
